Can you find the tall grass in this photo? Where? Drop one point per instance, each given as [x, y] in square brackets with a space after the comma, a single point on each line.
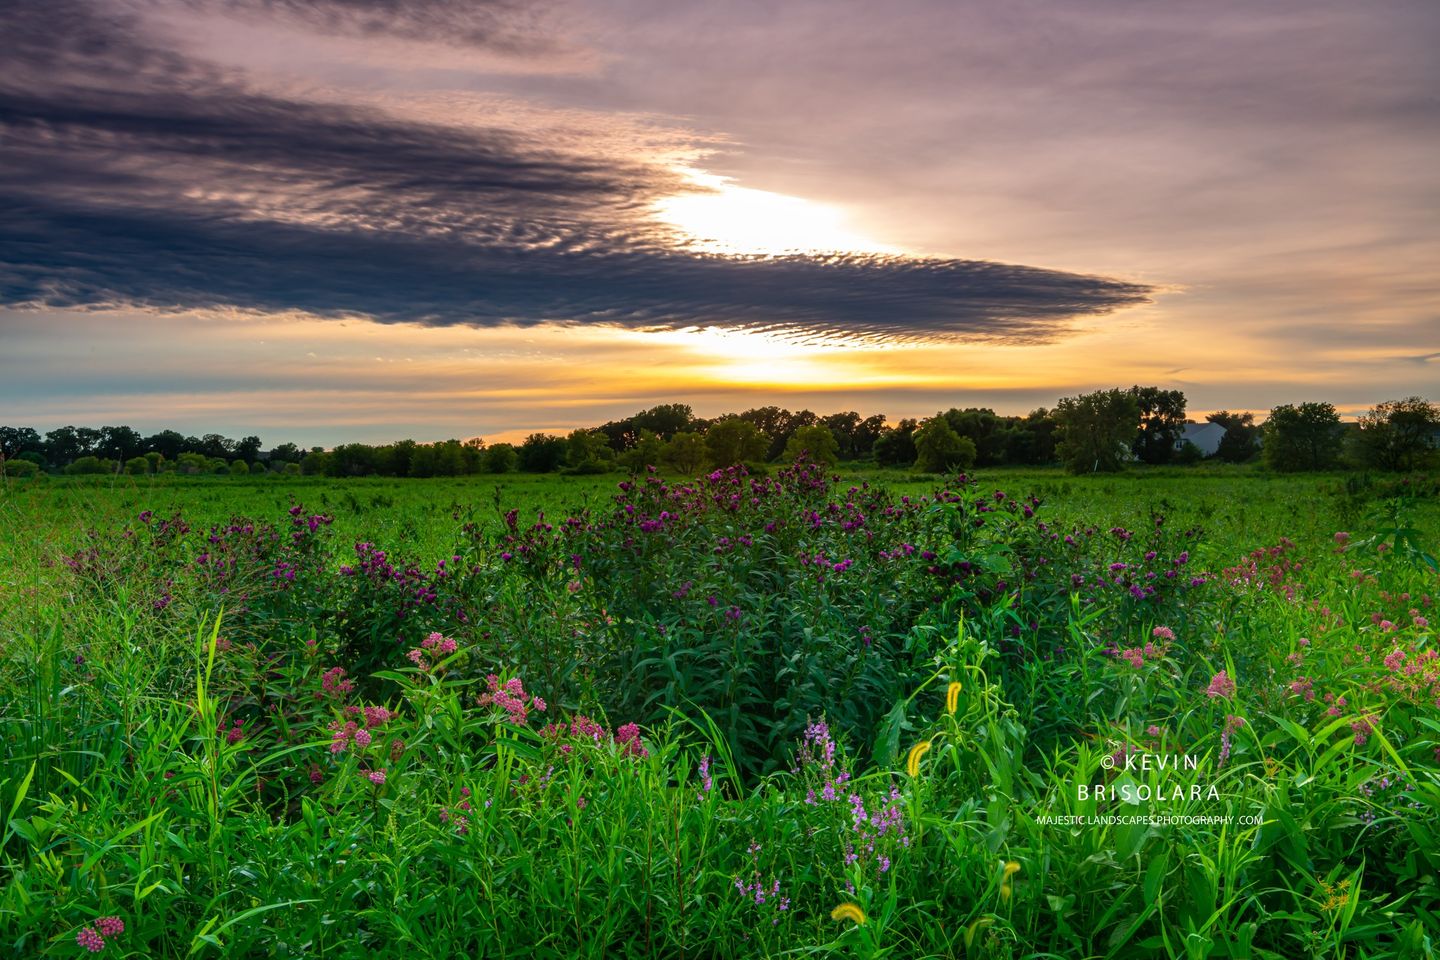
[228, 762]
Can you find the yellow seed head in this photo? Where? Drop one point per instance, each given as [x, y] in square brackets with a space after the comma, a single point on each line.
[912, 764]
[849, 911]
[1005, 891]
[952, 697]
[1011, 869]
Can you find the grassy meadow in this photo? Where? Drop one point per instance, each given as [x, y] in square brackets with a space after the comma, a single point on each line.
[1167, 713]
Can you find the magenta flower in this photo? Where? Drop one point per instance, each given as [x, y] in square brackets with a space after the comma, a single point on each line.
[110, 926]
[1220, 686]
[90, 940]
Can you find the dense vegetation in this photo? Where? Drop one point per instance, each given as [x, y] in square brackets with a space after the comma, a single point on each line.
[1095, 432]
[736, 715]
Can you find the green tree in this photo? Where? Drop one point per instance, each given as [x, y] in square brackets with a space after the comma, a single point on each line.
[685, 451]
[1095, 430]
[1304, 437]
[732, 440]
[939, 449]
[137, 466]
[648, 451]
[1400, 434]
[542, 453]
[664, 420]
[83, 466]
[1031, 440]
[16, 468]
[313, 464]
[1162, 420]
[818, 443]
[16, 440]
[1242, 438]
[586, 447]
[501, 458]
[896, 446]
[290, 453]
[239, 468]
[985, 429]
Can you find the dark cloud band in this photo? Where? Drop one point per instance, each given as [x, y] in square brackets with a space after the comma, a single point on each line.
[136, 176]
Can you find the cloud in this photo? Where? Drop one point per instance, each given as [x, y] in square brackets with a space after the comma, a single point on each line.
[138, 176]
[517, 26]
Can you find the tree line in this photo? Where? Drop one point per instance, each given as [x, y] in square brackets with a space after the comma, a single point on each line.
[1093, 432]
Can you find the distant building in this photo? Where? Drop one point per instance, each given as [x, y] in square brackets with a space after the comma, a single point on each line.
[1206, 436]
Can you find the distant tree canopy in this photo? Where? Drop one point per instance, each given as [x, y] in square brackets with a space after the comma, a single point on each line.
[1242, 437]
[1096, 431]
[939, 448]
[1304, 437]
[817, 443]
[1162, 420]
[733, 440]
[1400, 434]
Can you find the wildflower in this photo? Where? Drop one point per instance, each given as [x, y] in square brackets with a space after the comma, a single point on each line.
[1220, 686]
[90, 940]
[334, 683]
[1362, 729]
[952, 697]
[376, 777]
[705, 781]
[849, 911]
[110, 926]
[1010, 870]
[1163, 633]
[362, 739]
[912, 763]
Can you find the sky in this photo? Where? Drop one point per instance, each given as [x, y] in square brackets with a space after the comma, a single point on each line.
[335, 220]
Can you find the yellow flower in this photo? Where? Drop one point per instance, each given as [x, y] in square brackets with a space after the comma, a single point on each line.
[912, 764]
[849, 911]
[952, 697]
[974, 928]
[1011, 868]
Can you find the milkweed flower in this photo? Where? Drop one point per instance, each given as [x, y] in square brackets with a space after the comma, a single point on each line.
[1220, 686]
[912, 763]
[849, 911]
[952, 697]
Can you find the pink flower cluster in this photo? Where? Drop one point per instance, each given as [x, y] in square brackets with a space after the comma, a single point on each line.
[458, 819]
[581, 727]
[511, 697]
[349, 733]
[1136, 656]
[435, 645]
[334, 684]
[1220, 686]
[93, 938]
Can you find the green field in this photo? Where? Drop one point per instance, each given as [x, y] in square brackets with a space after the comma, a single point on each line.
[1166, 713]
